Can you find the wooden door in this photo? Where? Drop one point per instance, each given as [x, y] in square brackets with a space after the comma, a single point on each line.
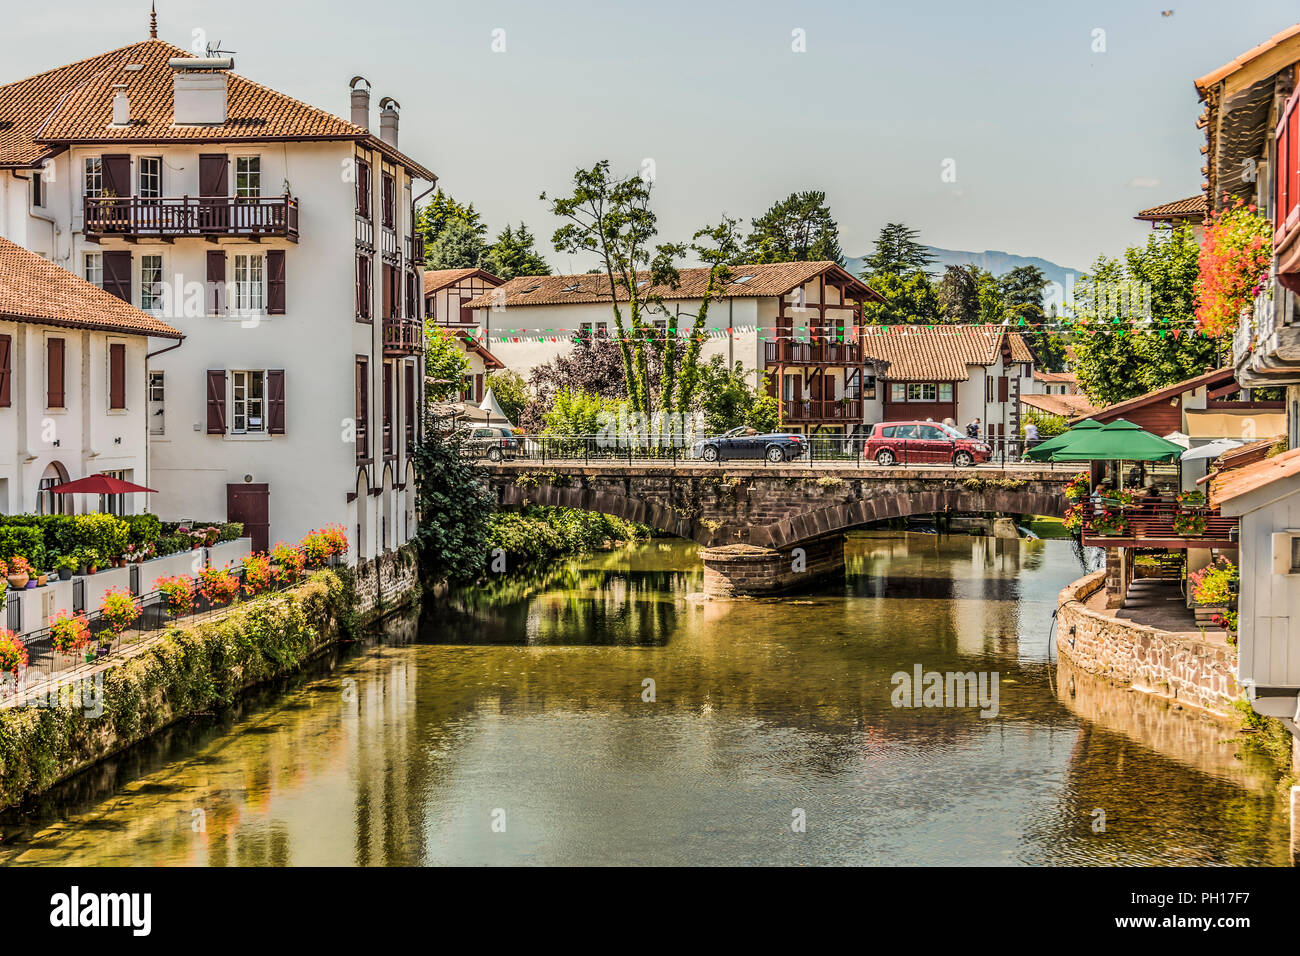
[250, 504]
[214, 192]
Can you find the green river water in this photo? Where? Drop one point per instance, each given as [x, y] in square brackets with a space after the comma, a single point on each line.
[510, 725]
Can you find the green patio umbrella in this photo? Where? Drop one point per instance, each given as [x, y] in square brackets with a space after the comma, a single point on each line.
[1120, 440]
[1043, 451]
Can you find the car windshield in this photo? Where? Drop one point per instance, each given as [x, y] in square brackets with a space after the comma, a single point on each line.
[950, 431]
[735, 432]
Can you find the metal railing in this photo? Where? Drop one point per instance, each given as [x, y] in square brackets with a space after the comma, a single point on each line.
[842, 451]
[137, 216]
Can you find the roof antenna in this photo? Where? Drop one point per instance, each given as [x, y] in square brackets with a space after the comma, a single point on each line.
[153, 21]
[213, 48]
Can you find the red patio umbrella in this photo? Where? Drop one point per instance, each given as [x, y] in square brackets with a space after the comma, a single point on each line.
[98, 485]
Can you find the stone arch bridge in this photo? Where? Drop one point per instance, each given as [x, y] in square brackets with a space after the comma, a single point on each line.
[750, 516]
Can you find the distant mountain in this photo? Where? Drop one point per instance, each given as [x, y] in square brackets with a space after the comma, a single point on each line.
[990, 260]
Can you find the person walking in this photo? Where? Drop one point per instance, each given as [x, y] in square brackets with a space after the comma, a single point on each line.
[973, 429]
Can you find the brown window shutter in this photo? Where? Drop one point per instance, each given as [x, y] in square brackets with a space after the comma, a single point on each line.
[275, 282]
[363, 287]
[216, 401]
[54, 373]
[216, 281]
[214, 175]
[410, 400]
[363, 401]
[388, 408]
[117, 273]
[466, 314]
[1003, 390]
[116, 375]
[6, 370]
[275, 401]
[478, 387]
[386, 303]
[116, 168]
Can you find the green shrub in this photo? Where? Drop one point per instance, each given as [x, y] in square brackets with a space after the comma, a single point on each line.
[23, 540]
[108, 535]
[231, 530]
[143, 529]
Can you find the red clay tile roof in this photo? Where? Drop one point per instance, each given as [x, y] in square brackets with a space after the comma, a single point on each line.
[1057, 378]
[773, 278]
[74, 104]
[1236, 63]
[1064, 405]
[936, 353]
[1233, 483]
[1211, 379]
[435, 279]
[33, 289]
[1193, 207]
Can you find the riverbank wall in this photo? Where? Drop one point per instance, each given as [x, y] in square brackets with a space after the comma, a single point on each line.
[1185, 668]
[193, 669]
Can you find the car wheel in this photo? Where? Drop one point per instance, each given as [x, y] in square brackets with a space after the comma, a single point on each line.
[775, 454]
[494, 454]
[963, 459]
[710, 453]
[885, 457]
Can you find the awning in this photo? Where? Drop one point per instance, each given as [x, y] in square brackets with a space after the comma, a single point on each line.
[100, 484]
[1244, 424]
[1211, 449]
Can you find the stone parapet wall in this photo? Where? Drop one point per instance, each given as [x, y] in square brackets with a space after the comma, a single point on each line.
[741, 569]
[385, 583]
[1187, 669]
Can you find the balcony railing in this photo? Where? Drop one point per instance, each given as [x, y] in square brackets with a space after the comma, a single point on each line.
[1150, 521]
[812, 353]
[821, 410]
[414, 247]
[403, 336]
[138, 217]
[1266, 344]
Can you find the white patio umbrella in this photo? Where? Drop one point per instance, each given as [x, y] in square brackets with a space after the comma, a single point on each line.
[492, 407]
[1211, 449]
[1178, 438]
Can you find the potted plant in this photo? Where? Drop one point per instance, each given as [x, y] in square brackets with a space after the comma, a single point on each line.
[178, 591]
[1078, 486]
[289, 562]
[118, 610]
[337, 541]
[69, 633]
[218, 585]
[1109, 523]
[315, 549]
[42, 578]
[18, 573]
[65, 566]
[90, 559]
[13, 652]
[1191, 500]
[1189, 524]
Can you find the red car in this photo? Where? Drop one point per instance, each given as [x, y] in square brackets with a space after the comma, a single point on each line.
[924, 443]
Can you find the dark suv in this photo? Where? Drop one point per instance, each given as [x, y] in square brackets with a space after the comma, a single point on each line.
[923, 443]
[744, 442]
[491, 442]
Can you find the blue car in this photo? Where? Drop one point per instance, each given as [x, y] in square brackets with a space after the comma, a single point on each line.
[746, 442]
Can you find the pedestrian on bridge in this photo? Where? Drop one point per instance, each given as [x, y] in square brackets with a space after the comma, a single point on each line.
[973, 429]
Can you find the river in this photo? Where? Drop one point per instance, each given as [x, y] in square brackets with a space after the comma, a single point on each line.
[601, 712]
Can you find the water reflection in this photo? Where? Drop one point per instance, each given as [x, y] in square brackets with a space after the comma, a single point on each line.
[529, 698]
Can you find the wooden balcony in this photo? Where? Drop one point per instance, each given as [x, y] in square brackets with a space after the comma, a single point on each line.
[1150, 523]
[821, 410]
[811, 353]
[403, 337]
[134, 218]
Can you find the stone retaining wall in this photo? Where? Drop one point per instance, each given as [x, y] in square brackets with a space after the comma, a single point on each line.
[386, 583]
[1182, 668]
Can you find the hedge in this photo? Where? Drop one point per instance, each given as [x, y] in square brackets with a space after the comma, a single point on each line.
[190, 669]
[43, 539]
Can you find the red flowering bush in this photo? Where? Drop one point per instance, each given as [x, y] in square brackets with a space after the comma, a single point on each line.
[289, 563]
[118, 609]
[13, 652]
[315, 549]
[179, 592]
[336, 539]
[1234, 262]
[69, 632]
[218, 585]
[257, 573]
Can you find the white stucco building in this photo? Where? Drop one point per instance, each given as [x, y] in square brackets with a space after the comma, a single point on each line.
[278, 239]
[72, 387]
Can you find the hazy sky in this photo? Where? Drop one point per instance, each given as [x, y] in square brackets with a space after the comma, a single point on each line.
[1055, 146]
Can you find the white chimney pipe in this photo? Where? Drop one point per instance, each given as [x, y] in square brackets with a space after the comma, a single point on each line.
[360, 102]
[121, 106]
[388, 117]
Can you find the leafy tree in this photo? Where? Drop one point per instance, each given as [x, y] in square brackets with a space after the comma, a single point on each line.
[611, 219]
[726, 399]
[576, 413]
[513, 255]
[445, 363]
[457, 246]
[1048, 424]
[908, 298]
[799, 228]
[1022, 295]
[454, 505]
[511, 392]
[1116, 361]
[958, 296]
[898, 252]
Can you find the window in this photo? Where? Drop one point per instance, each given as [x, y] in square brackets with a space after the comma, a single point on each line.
[151, 278]
[93, 268]
[921, 392]
[897, 392]
[889, 431]
[54, 373]
[250, 284]
[157, 392]
[248, 177]
[48, 502]
[38, 189]
[113, 504]
[150, 177]
[945, 391]
[388, 211]
[247, 403]
[363, 408]
[1295, 554]
[117, 375]
[94, 177]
